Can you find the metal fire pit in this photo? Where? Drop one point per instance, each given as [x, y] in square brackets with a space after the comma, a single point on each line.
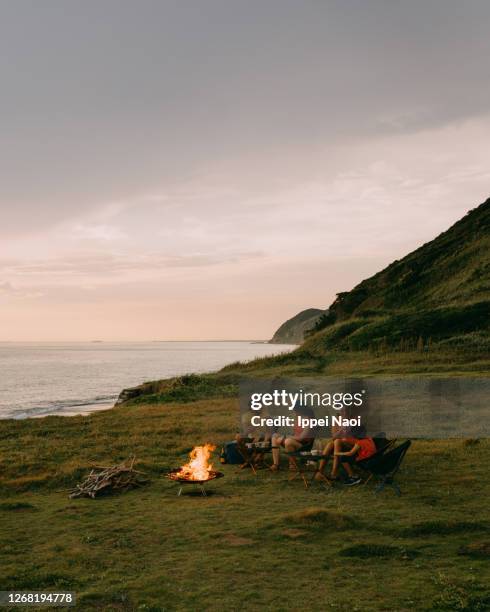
[172, 475]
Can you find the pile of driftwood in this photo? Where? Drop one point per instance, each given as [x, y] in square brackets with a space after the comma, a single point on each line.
[104, 478]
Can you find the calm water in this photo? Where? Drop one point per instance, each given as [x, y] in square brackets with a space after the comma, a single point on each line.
[64, 379]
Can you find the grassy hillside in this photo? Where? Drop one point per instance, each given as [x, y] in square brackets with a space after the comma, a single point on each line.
[257, 543]
[454, 268]
[439, 294]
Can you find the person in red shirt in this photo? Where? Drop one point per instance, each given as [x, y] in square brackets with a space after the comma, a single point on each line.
[347, 451]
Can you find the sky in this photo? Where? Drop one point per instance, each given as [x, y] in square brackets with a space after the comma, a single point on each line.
[206, 169]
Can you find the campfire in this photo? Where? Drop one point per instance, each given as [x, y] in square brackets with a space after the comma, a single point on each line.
[198, 470]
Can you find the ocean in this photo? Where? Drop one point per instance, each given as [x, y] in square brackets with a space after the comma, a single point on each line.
[40, 379]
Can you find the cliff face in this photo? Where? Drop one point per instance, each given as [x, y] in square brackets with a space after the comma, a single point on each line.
[293, 330]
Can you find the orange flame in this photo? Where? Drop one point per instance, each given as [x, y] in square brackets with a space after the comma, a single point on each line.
[198, 467]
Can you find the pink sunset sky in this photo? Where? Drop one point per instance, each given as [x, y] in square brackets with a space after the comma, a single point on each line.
[170, 172]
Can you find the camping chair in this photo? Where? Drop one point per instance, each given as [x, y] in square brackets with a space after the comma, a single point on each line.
[386, 465]
[383, 446]
[382, 442]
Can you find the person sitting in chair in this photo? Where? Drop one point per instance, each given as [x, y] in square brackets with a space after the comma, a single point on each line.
[347, 451]
[252, 436]
[302, 439]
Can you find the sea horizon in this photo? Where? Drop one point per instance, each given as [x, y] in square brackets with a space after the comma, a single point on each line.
[126, 341]
[68, 378]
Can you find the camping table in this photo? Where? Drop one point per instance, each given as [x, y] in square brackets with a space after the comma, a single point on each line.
[253, 455]
[300, 459]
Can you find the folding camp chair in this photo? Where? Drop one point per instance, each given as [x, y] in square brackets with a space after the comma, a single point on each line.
[382, 442]
[386, 465]
[383, 447]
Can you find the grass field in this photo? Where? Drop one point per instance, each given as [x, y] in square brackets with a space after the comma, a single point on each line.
[256, 543]
[261, 542]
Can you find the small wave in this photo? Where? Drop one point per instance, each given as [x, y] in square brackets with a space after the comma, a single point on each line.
[58, 407]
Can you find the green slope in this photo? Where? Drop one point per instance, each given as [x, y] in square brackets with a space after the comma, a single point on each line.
[438, 293]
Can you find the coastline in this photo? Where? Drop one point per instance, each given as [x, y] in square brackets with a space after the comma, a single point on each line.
[91, 409]
[73, 379]
[72, 409]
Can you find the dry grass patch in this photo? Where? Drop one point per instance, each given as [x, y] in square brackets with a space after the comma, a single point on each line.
[16, 506]
[447, 527]
[235, 540]
[380, 551]
[294, 533]
[319, 517]
[478, 550]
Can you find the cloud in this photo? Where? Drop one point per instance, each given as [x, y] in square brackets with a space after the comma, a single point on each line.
[8, 290]
[108, 266]
[102, 233]
[77, 129]
[342, 136]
